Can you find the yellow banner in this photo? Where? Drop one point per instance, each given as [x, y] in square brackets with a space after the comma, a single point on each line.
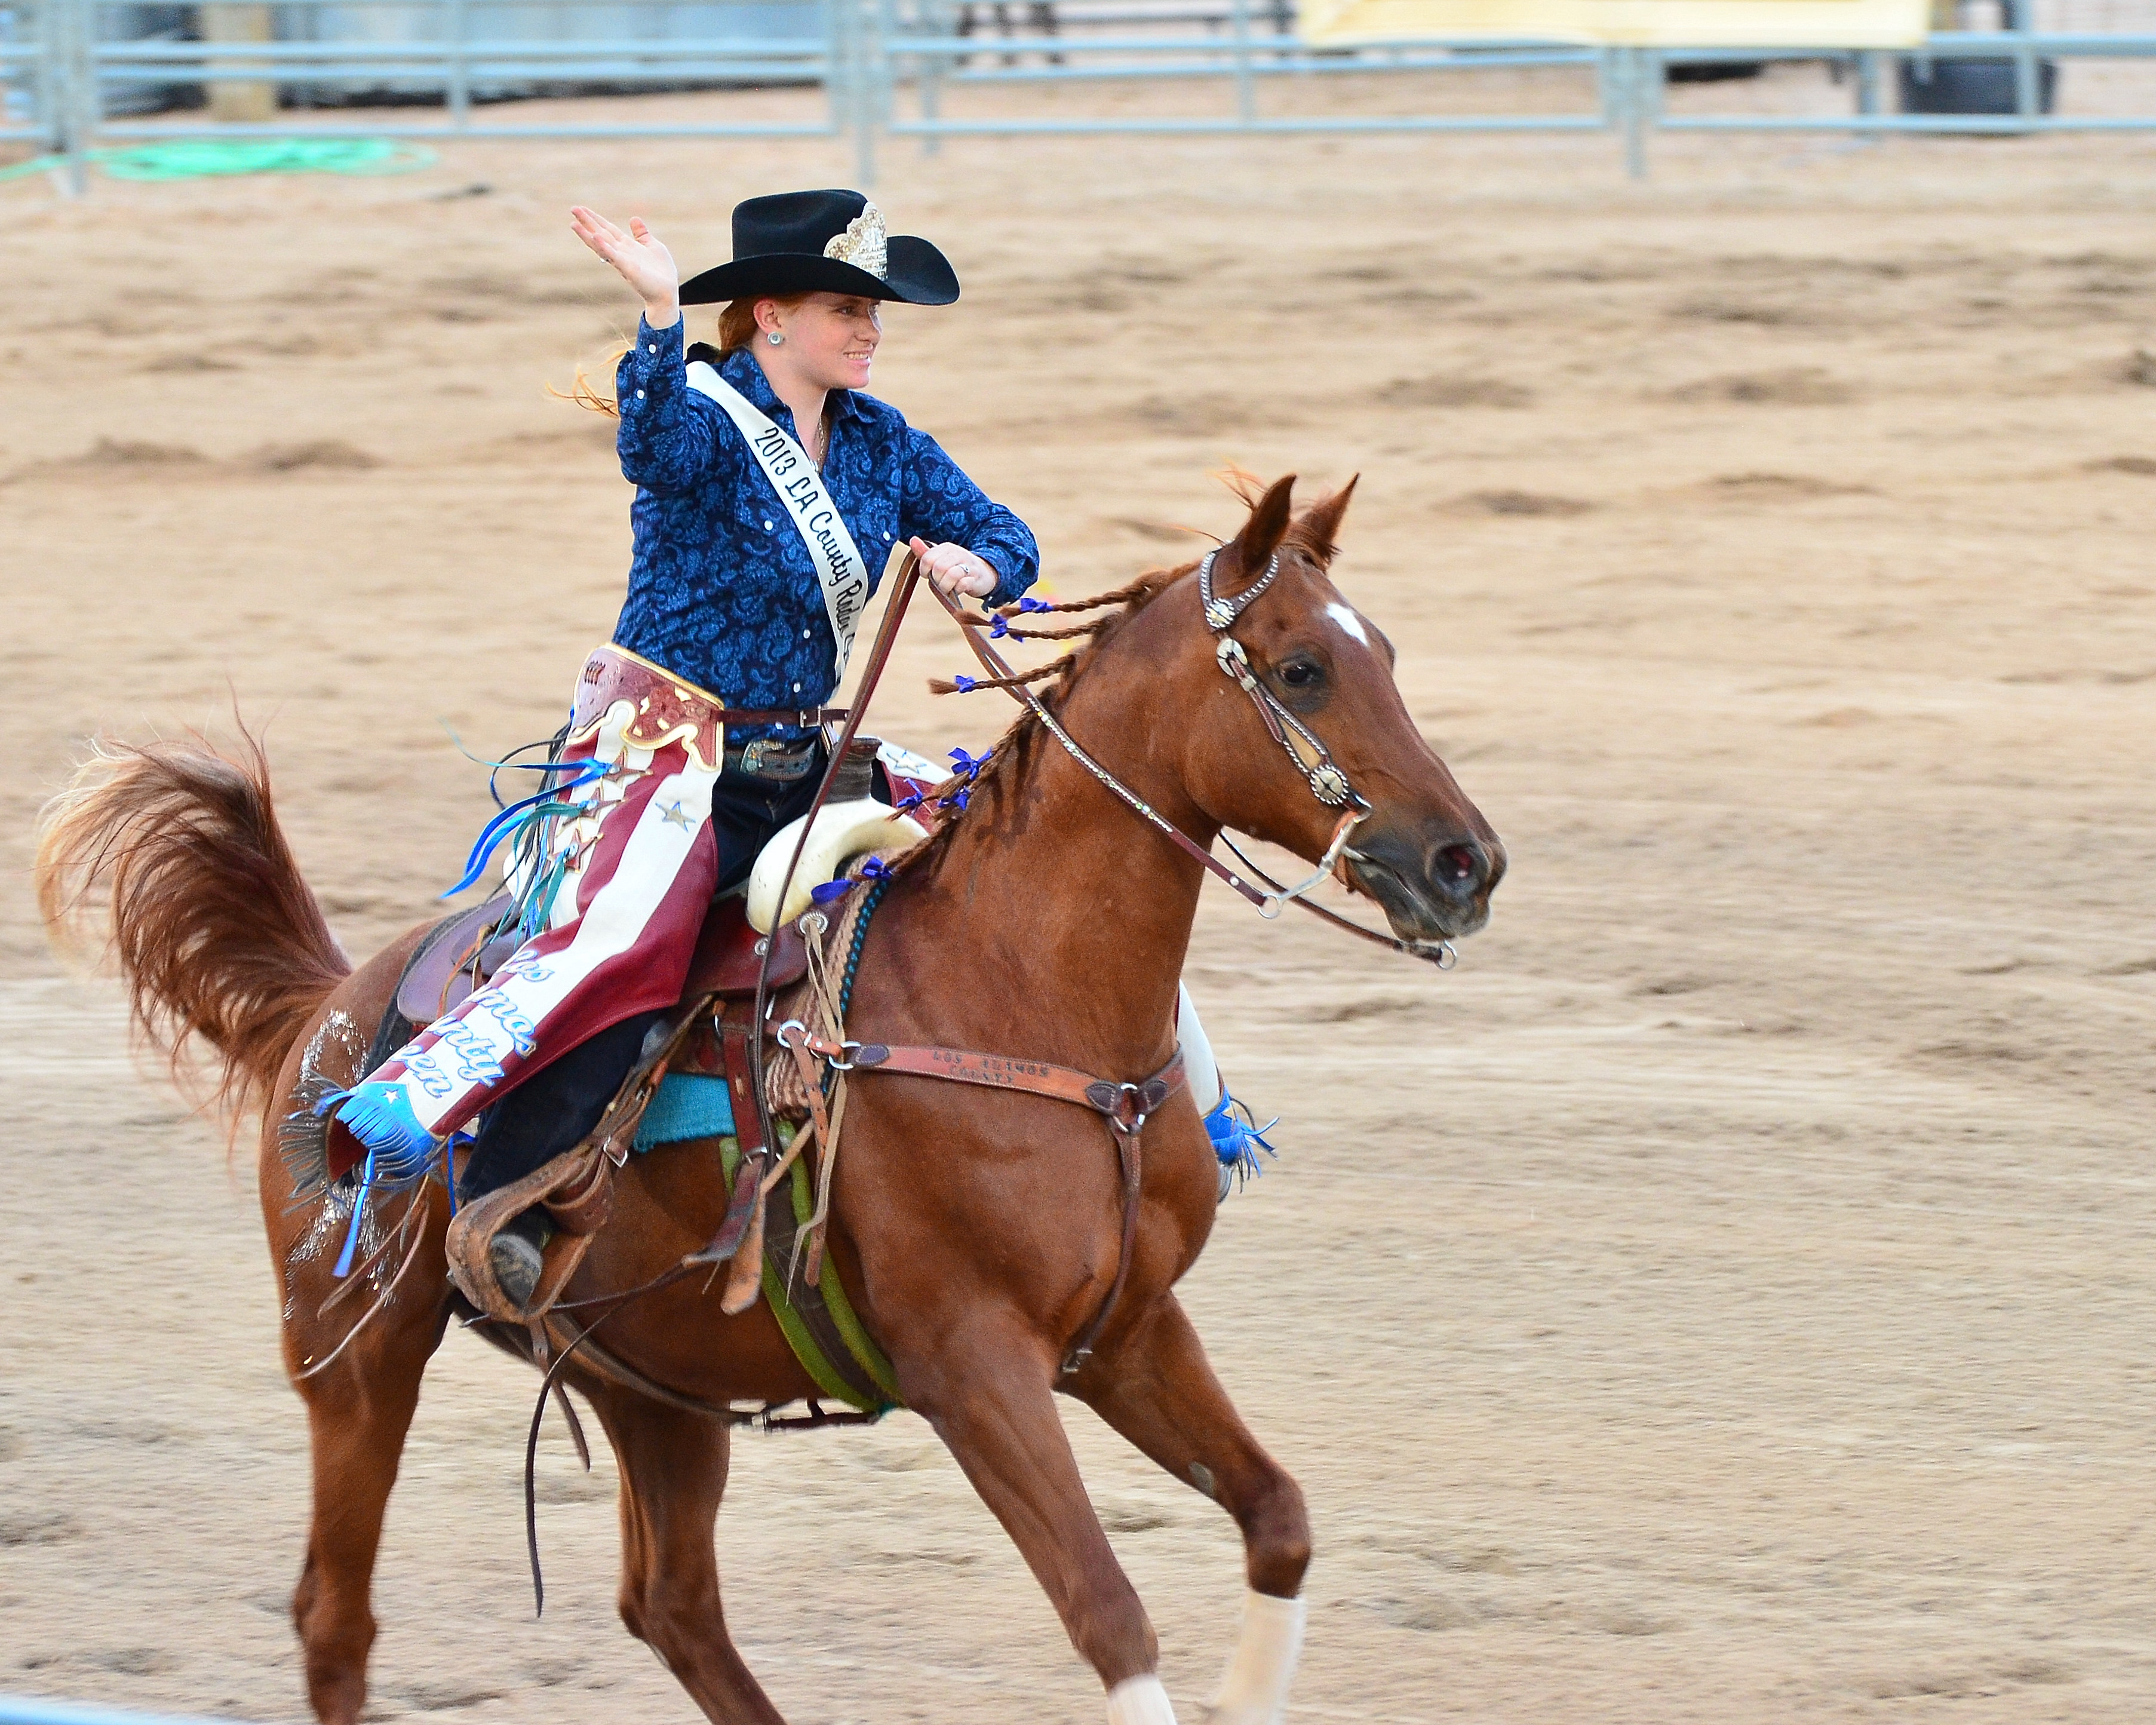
[1638, 24]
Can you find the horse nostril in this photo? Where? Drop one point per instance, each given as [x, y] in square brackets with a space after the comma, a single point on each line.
[1459, 867]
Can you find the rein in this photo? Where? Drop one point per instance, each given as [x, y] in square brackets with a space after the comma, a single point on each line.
[742, 1213]
[744, 1208]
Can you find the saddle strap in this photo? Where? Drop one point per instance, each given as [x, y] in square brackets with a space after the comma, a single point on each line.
[820, 1123]
[1132, 1158]
[822, 1326]
[1039, 1078]
[1123, 1106]
[616, 1132]
[743, 1226]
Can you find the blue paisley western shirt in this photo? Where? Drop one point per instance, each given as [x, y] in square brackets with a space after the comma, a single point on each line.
[721, 591]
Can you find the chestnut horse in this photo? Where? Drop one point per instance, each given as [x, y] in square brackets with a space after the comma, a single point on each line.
[977, 1230]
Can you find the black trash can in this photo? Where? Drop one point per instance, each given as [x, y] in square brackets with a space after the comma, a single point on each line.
[1976, 87]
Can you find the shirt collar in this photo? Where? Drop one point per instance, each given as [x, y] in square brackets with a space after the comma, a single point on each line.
[740, 369]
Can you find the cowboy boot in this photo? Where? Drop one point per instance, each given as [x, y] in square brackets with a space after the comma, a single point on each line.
[517, 1254]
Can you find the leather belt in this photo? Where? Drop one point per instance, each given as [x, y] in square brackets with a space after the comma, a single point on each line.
[805, 718]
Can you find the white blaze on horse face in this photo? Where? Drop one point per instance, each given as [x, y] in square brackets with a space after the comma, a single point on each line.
[1348, 620]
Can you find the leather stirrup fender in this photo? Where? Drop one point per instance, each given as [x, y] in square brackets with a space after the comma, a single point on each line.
[744, 1209]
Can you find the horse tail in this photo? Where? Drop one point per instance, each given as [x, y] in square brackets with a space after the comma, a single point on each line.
[218, 938]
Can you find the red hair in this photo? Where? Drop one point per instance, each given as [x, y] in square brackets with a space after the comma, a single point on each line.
[737, 331]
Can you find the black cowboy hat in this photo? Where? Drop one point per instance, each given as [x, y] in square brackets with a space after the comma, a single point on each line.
[823, 242]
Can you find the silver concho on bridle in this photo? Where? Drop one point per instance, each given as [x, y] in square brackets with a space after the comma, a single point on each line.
[1220, 612]
[1327, 783]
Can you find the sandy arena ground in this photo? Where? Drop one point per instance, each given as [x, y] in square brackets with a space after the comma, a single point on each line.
[1718, 1300]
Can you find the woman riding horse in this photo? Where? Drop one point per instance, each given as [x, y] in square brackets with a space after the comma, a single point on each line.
[737, 585]
[994, 1246]
[768, 489]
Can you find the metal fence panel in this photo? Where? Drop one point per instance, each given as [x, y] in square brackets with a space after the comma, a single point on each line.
[261, 70]
[586, 45]
[24, 74]
[922, 59]
[2027, 51]
[275, 70]
[37, 63]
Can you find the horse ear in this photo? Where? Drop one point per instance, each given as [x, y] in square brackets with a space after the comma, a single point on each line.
[1319, 526]
[1267, 526]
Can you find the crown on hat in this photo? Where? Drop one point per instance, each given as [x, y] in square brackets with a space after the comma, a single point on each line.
[863, 243]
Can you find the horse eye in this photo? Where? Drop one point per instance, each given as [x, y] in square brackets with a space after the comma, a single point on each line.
[1299, 674]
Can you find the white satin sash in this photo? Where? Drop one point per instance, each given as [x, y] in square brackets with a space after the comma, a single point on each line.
[840, 568]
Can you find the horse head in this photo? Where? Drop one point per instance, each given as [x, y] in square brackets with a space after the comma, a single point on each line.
[1324, 733]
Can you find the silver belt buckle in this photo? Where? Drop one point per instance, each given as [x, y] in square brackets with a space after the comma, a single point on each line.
[774, 757]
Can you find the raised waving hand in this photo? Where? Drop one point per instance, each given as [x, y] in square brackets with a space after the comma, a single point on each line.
[639, 257]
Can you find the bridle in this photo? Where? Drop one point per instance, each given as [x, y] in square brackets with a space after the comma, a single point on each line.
[1327, 783]
[1301, 745]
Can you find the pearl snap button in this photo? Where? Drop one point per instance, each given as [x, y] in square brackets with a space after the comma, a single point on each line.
[640, 395]
[767, 526]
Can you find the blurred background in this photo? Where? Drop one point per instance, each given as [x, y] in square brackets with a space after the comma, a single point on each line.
[1724, 1297]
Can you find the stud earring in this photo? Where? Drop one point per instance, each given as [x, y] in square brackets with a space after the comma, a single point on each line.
[774, 337]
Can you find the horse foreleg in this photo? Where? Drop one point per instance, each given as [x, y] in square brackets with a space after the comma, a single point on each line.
[987, 1395]
[673, 1474]
[357, 1414]
[1157, 1389]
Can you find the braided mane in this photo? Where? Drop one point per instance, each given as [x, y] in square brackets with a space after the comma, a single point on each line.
[1010, 762]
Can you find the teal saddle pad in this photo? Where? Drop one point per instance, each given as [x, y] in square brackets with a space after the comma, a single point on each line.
[689, 1105]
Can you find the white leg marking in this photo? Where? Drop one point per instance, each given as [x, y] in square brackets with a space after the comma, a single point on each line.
[1139, 1701]
[1254, 1690]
